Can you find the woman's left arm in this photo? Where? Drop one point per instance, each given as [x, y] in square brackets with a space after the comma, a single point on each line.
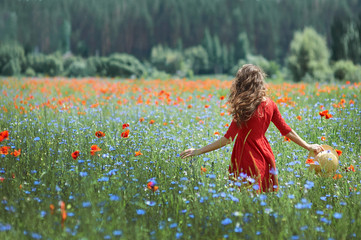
[210, 147]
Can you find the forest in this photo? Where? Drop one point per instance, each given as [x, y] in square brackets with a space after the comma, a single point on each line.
[225, 30]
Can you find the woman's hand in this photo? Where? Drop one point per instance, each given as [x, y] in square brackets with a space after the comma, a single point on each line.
[189, 153]
[315, 148]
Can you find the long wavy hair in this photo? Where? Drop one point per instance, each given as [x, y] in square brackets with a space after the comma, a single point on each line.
[247, 92]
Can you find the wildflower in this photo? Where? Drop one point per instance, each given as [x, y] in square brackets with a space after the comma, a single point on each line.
[16, 153]
[4, 150]
[323, 113]
[141, 119]
[310, 161]
[140, 211]
[138, 153]
[151, 121]
[221, 98]
[328, 116]
[226, 221]
[323, 138]
[286, 139]
[350, 168]
[216, 133]
[2, 179]
[125, 125]
[222, 113]
[337, 176]
[75, 155]
[94, 149]
[52, 208]
[99, 134]
[337, 215]
[125, 134]
[299, 118]
[189, 106]
[4, 135]
[203, 170]
[339, 152]
[206, 106]
[151, 185]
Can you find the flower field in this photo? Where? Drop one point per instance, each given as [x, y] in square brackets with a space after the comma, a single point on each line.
[99, 159]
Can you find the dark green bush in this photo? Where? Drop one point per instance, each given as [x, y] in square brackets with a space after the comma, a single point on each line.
[78, 69]
[309, 55]
[124, 65]
[29, 72]
[197, 57]
[12, 58]
[97, 66]
[165, 59]
[45, 64]
[342, 69]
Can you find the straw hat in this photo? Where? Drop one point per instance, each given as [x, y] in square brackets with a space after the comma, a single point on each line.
[325, 162]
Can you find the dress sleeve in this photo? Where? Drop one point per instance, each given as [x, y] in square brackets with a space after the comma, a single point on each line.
[279, 122]
[232, 130]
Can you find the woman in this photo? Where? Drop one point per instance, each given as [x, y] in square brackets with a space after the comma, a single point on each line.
[252, 111]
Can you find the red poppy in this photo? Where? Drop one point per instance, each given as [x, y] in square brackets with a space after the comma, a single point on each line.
[99, 134]
[323, 113]
[4, 135]
[94, 149]
[310, 161]
[75, 155]
[339, 152]
[221, 98]
[350, 168]
[151, 121]
[337, 176]
[328, 116]
[125, 125]
[286, 139]
[299, 118]
[125, 134]
[203, 170]
[16, 153]
[141, 119]
[4, 150]
[151, 186]
[138, 153]
[52, 208]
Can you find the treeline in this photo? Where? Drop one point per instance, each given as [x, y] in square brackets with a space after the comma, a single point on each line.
[150, 38]
[92, 27]
[308, 60]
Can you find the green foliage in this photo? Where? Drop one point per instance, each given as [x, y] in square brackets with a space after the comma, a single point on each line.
[166, 59]
[12, 57]
[346, 70]
[271, 68]
[124, 65]
[309, 55]
[197, 57]
[343, 68]
[29, 72]
[51, 65]
[78, 69]
[97, 66]
[242, 46]
[346, 41]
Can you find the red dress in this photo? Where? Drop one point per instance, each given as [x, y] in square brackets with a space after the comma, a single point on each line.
[252, 155]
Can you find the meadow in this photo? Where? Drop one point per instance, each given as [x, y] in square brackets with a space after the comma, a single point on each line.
[99, 159]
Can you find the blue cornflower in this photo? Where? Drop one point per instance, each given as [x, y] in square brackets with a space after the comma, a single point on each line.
[226, 221]
[140, 211]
